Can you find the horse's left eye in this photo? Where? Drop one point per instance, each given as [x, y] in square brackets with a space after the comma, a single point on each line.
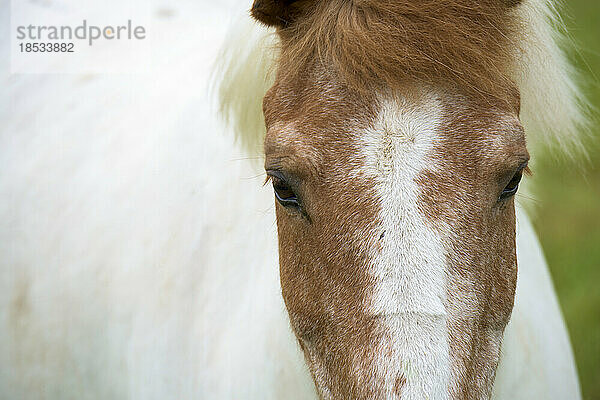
[512, 186]
[283, 193]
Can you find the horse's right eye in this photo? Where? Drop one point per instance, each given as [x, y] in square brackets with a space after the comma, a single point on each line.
[283, 193]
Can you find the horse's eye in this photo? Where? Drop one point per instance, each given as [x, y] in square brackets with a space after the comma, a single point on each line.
[283, 193]
[512, 186]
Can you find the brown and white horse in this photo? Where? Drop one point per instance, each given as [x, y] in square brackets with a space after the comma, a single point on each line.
[395, 148]
[138, 249]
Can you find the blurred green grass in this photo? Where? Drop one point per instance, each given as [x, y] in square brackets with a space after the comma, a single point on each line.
[568, 214]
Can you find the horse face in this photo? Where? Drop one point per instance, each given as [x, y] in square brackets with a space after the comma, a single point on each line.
[396, 227]
[396, 224]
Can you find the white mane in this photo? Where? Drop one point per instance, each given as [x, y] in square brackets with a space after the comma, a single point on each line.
[553, 110]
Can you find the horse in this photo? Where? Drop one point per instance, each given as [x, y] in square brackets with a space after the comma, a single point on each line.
[143, 258]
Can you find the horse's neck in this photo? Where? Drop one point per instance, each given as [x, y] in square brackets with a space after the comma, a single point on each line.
[537, 361]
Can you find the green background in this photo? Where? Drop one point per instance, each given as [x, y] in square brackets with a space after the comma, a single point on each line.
[568, 209]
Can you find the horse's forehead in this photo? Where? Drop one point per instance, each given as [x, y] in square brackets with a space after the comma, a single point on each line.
[316, 116]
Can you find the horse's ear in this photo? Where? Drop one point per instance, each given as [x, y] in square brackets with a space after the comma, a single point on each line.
[278, 13]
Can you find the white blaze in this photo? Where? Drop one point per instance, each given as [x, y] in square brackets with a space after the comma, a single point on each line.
[409, 264]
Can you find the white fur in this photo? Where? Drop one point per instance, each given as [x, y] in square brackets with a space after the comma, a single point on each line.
[553, 110]
[245, 68]
[138, 257]
[536, 361]
[138, 252]
[409, 263]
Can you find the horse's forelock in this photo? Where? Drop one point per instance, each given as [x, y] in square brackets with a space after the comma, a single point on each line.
[520, 45]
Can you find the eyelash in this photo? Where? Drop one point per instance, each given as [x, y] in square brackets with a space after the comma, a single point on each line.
[284, 194]
[513, 185]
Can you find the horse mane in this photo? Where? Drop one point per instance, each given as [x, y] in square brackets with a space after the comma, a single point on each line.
[480, 45]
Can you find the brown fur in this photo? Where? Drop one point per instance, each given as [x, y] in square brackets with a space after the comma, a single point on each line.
[322, 261]
[336, 58]
[279, 13]
[386, 43]
[480, 150]
[313, 131]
